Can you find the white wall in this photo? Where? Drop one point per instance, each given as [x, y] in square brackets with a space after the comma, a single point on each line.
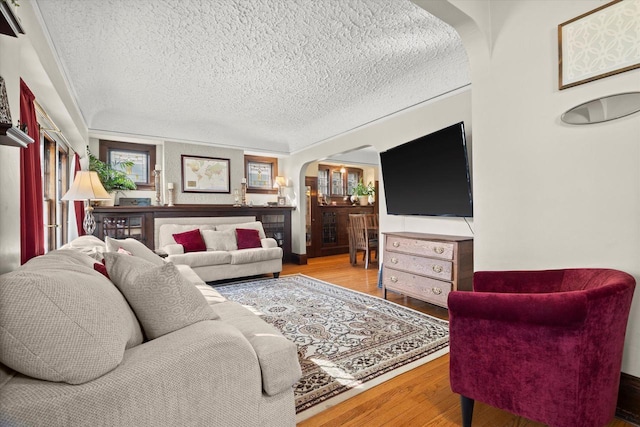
[29, 57]
[549, 195]
[381, 135]
[10, 162]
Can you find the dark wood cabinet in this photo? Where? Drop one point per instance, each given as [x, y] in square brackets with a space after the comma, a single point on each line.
[331, 228]
[120, 225]
[137, 222]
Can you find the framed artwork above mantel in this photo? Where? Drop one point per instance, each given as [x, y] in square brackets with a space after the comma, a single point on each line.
[260, 173]
[205, 174]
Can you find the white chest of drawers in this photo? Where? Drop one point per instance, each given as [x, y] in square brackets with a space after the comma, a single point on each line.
[427, 266]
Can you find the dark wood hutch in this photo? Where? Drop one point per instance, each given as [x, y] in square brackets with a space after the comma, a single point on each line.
[138, 221]
[327, 219]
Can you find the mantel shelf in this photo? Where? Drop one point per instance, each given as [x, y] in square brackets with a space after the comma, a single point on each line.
[9, 24]
[14, 137]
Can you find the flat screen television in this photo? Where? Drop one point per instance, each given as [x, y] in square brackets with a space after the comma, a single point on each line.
[429, 175]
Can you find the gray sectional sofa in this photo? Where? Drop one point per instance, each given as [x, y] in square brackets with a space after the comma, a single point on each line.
[151, 345]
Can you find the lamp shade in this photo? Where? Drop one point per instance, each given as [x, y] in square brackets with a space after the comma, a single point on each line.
[86, 186]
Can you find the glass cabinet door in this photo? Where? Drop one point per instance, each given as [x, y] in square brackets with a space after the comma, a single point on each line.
[308, 223]
[323, 182]
[337, 183]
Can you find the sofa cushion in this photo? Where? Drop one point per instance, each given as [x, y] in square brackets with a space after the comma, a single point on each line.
[62, 321]
[246, 256]
[89, 245]
[201, 259]
[134, 247]
[191, 241]
[248, 238]
[211, 295]
[159, 295]
[223, 240]
[253, 225]
[173, 249]
[278, 357]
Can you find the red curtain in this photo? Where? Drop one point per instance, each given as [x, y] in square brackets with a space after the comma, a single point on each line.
[31, 211]
[78, 204]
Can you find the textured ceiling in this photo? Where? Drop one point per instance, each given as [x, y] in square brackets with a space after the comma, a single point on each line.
[267, 75]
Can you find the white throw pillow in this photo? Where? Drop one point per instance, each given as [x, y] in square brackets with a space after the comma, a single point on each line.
[253, 225]
[89, 245]
[135, 247]
[62, 321]
[224, 240]
[161, 298]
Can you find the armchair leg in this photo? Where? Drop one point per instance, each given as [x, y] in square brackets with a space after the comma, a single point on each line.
[276, 275]
[467, 410]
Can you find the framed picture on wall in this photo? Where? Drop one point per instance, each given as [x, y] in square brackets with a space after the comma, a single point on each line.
[260, 173]
[141, 156]
[205, 174]
[599, 43]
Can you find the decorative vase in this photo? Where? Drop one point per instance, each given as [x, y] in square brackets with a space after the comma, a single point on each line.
[372, 199]
[364, 200]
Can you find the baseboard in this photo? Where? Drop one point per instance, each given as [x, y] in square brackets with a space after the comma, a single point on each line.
[628, 407]
[300, 259]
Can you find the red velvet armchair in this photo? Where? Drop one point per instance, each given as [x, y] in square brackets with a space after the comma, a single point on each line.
[545, 345]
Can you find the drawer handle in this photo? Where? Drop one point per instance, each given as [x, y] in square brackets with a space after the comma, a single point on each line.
[439, 250]
[396, 244]
[436, 291]
[394, 279]
[437, 268]
[394, 260]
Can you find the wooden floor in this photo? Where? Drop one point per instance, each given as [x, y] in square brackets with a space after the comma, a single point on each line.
[420, 397]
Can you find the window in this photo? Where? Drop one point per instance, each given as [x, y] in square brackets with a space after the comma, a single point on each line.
[55, 184]
[333, 182]
[143, 157]
[260, 174]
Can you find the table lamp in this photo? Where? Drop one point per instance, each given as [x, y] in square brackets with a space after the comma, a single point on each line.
[87, 186]
[280, 183]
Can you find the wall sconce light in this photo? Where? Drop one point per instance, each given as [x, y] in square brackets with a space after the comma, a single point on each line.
[87, 186]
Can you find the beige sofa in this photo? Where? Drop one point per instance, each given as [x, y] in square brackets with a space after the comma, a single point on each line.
[153, 345]
[222, 259]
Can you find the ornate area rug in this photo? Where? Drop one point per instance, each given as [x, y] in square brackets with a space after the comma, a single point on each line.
[347, 341]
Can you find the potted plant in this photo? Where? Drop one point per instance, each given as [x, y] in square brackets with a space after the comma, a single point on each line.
[112, 177]
[363, 192]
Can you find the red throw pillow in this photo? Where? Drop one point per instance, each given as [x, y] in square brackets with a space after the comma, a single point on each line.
[100, 268]
[248, 238]
[191, 241]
